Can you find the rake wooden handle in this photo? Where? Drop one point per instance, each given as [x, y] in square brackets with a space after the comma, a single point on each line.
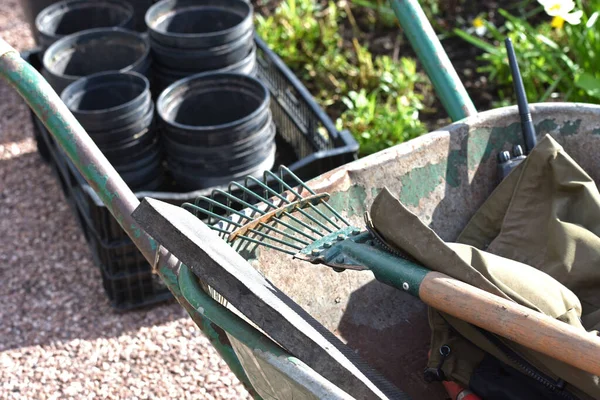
[512, 321]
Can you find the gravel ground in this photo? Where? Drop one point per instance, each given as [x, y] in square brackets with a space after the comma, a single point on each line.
[59, 338]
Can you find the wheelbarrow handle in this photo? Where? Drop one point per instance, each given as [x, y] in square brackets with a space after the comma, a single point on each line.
[76, 143]
[437, 65]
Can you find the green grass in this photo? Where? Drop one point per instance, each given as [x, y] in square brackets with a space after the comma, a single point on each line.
[374, 97]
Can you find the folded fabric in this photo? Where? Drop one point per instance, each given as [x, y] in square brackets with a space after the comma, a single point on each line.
[535, 241]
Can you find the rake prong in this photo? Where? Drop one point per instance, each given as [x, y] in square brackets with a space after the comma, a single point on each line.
[231, 197]
[211, 214]
[299, 196]
[260, 243]
[226, 208]
[301, 211]
[305, 186]
[235, 214]
[302, 223]
[257, 232]
[216, 228]
[284, 233]
[238, 225]
[271, 205]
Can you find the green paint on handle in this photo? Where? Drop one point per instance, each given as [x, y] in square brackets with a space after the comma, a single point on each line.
[101, 180]
[137, 232]
[170, 279]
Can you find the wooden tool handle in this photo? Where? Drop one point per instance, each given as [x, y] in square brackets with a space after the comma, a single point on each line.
[512, 321]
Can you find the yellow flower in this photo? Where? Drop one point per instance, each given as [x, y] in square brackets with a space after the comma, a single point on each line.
[561, 11]
[478, 22]
[557, 22]
[479, 26]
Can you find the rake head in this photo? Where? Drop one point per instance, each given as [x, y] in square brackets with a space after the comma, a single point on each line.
[282, 213]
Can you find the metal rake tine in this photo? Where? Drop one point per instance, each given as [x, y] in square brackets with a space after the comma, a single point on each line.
[211, 214]
[260, 243]
[283, 198]
[299, 196]
[299, 210]
[271, 205]
[258, 210]
[207, 212]
[257, 232]
[213, 203]
[283, 169]
[248, 180]
[305, 186]
[233, 185]
[198, 209]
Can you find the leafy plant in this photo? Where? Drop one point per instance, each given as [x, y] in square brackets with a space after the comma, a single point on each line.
[557, 60]
[372, 97]
[380, 126]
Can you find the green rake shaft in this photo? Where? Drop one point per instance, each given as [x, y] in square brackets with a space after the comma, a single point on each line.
[299, 222]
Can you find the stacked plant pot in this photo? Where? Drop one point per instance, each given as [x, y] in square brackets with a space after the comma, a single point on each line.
[193, 36]
[117, 111]
[216, 128]
[92, 51]
[72, 16]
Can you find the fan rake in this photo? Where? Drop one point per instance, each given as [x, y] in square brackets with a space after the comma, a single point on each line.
[294, 219]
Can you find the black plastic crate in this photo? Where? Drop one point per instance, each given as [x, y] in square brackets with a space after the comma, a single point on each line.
[127, 291]
[307, 143]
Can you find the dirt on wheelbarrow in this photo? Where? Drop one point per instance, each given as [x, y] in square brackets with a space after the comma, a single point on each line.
[59, 337]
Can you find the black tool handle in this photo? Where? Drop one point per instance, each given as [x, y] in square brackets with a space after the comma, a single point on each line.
[526, 122]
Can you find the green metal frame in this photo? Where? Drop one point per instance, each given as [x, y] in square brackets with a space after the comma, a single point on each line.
[425, 43]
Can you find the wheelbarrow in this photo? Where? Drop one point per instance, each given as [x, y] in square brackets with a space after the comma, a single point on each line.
[443, 177]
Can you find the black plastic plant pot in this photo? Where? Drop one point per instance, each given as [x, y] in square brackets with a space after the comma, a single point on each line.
[92, 51]
[196, 24]
[138, 149]
[124, 134]
[163, 76]
[203, 59]
[108, 100]
[213, 109]
[143, 178]
[193, 178]
[148, 160]
[253, 150]
[72, 16]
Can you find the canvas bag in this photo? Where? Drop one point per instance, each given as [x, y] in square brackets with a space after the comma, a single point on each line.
[535, 241]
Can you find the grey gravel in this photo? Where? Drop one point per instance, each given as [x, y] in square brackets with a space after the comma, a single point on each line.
[59, 337]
